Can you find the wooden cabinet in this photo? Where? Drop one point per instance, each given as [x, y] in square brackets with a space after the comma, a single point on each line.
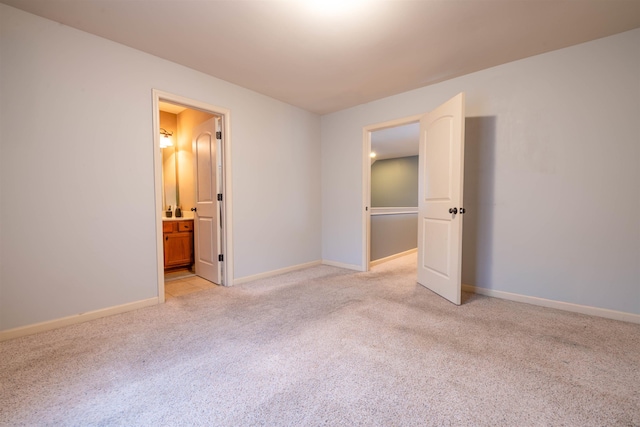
[178, 243]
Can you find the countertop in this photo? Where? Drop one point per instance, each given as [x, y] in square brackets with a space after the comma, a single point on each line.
[183, 218]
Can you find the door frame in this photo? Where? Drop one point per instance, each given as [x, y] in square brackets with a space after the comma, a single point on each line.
[227, 218]
[366, 181]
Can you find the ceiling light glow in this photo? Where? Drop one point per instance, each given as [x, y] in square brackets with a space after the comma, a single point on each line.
[332, 7]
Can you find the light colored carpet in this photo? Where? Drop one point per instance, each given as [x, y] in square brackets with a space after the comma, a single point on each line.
[326, 346]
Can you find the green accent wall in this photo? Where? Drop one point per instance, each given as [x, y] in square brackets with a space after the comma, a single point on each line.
[393, 234]
[394, 182]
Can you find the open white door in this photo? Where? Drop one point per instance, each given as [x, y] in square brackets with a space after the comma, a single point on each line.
[207, 216]
[440, 208]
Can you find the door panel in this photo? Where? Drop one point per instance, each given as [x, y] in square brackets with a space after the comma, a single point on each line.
[207, 217]
[440, 189]
[437, 236]
[204, 154]
[205, 250]
[438, 160]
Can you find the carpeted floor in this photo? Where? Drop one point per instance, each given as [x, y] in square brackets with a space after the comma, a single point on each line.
[326, 346]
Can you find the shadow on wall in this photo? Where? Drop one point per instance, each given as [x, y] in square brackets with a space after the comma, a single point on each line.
[479, 180]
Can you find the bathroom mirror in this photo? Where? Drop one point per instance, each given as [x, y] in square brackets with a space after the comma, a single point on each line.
[170, 172]
[170, 183]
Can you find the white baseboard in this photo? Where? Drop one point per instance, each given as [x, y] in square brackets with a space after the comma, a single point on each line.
[392, 257]
[342, 265]
[576, 308]
[77, 318]
[272, 273]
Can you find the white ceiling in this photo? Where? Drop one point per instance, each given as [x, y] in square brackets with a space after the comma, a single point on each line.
[170, 108]
[399, 141]
[325, 62]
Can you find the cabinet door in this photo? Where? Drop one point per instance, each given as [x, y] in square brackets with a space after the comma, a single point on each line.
[178, 249]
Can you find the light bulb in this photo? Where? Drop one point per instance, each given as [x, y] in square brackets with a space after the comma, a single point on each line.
[165, 141]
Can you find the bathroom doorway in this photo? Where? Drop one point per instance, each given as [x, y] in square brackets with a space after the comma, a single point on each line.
[193, 195]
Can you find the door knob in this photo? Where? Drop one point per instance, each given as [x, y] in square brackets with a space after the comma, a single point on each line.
[462, 210]
[194, 209]
[453, 210]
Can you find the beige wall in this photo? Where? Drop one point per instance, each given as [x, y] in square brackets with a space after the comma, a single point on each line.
[187, 120]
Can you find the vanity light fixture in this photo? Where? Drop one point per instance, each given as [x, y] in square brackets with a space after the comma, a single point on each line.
[165, 138]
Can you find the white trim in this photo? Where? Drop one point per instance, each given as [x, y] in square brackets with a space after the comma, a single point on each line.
[566, 306]
[272, 273]
[227, 220]
[392, 257]
[343, 265]
[366, 200]
[366, 183]
[159, 195]
[77, 318]
[393, 211]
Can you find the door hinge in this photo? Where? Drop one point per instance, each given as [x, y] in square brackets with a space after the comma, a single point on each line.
[219, 197]
[220, 257]
[219, 135]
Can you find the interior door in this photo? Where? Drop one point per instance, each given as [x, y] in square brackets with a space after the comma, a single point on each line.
[207, 216]
[440, 199]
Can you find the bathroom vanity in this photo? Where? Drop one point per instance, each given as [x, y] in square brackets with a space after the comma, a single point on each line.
[177, 235]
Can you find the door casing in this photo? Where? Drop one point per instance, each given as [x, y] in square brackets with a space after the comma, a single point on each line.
[227, 220]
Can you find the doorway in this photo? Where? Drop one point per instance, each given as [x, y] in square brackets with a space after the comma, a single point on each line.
[394, 192]
[393, 139]
[440, 196]
[184, 189]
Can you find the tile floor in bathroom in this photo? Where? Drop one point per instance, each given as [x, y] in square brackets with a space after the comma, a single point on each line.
[178, 286]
